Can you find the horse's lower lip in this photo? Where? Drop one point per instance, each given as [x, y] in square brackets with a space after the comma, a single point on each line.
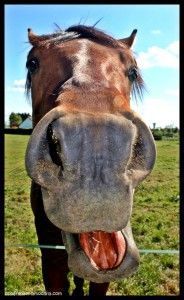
[80, 264]
[105, 250]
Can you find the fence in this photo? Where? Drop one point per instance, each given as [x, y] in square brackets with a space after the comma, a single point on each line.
[59, 247]
[18, 131]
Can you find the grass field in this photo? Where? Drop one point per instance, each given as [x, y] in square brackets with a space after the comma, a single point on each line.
[155, 223]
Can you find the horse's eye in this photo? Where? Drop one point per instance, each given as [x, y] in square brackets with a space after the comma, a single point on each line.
[32, 65]
[132, 74]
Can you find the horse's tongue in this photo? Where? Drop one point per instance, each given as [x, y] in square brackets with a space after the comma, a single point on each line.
[105, 250]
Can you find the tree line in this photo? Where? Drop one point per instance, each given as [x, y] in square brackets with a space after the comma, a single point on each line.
[165, 133]
[16, 119]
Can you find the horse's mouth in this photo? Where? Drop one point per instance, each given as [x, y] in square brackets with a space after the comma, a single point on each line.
[101, 256]
[105, 250]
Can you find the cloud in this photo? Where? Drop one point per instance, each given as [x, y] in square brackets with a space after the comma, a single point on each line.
[19, 83]
[172, 92]
[174, 48]
[18, 86]
[163, 111]
[160, 57]
[156, 31]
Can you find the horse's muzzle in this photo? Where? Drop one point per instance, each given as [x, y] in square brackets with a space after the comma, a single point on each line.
[88, 166]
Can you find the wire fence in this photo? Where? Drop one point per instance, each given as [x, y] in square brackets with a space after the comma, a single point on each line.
[60, 247]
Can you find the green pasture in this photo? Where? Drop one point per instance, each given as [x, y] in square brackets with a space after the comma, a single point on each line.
[155, 224]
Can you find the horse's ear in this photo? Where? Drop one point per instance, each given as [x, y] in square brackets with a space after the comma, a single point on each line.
[33, 38]
[129, 40]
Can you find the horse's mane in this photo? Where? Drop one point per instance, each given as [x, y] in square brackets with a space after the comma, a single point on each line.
[80, 31]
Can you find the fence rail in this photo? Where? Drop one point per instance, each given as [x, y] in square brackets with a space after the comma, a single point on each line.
[18, 131]
[60, 247]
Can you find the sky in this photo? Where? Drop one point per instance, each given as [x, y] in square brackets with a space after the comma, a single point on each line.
[156, 50]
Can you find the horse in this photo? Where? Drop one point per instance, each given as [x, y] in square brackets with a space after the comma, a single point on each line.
[87, 153]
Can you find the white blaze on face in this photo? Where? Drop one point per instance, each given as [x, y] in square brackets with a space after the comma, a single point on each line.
[104, 67]
[80, 70]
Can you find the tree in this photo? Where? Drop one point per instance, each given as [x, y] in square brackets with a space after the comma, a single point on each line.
[157, 134]
[175, 130]
[15, 120]
[24, 116]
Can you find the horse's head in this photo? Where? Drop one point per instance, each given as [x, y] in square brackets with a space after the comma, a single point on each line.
[88, 150]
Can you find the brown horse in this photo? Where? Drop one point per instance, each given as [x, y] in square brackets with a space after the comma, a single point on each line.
[87, 153]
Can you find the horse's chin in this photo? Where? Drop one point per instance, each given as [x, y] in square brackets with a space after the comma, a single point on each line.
[102, 256]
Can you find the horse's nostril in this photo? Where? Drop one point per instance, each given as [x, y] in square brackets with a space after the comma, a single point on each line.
[51, 138]
[54, 147]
